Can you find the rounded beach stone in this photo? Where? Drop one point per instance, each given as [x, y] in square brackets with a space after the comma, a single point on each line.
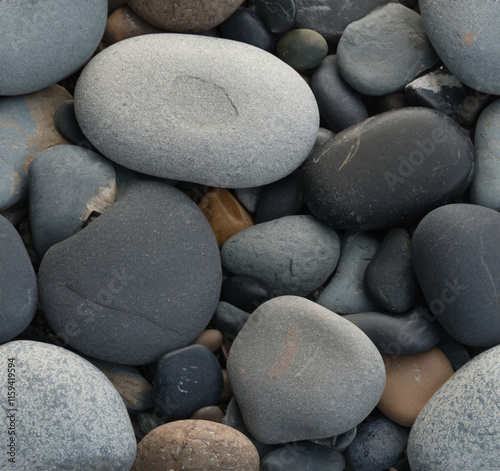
[458, 428]
[302, 48]
[290, 255]
[244, 292]
[194, 445]
[404, 162]
[26, 129]
[152, 284]
[212, 413]
[210, 338]
[17, 284]
[457, 261]
[69, 416]
[229, 319]
[210, 116]
[463, 34]
[66, 123]
[250, 197]
[279, 15]
[188, 16]
[454, 351]
[45, 42]
[411, 381]
[288, 344]
[67, 184]
[385, 50]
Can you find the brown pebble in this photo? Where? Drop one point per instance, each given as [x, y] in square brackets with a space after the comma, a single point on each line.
[225, 214]
[227, 392]
[210, 338]
[211, 413]
[411, 381]
[195, 445]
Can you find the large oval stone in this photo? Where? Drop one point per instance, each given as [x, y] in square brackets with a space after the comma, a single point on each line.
[389, 170]
[141, 280]
[198, 109]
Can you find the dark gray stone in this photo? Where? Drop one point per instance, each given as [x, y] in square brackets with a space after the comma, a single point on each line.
[456, 353]
[385, 50]
[16, 213]
[199, 109]
[279, 15]
[250, 197]
[69, 416]
[339, 104]
[288, 354]
[381, 104]
[456, 258]
[229, 319]
[17, 284]
[404, 163]
[302, 49]
[413, 331]
[338, 442]
[141, 280]
[67, 124]
[458, 427]
[45, 42]
[146, 422]
[244, 292]
[290, 255]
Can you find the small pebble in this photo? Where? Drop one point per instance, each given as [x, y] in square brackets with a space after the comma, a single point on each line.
[302, 48]
[211, 339]
[279, 15]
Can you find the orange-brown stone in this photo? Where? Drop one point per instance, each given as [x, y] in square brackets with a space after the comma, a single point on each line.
[227, 392]
[210, 338]
[212, 413]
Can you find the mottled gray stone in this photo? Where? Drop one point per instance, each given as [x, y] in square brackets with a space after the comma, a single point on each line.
[458, 428]
[197, 109]
[301, 372]
[290, 255]
[346, 292]
[385, 50]
[69, 416]
[43, 42]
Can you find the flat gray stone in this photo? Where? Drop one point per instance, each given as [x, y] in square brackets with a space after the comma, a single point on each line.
[195, 108]
[69, 416]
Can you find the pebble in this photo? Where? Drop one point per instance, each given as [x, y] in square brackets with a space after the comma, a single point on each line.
[459, 426]
[338, 442]
[18, 284]
[405, 163]
[485, 187]
[302, 48]
[457, 262]
[67, 185]
[141, 280]
[385, 50]
[224, 213]
[339, 104]
[228, 123]
[195, 445]
[26, 129]
[244, 292]
[456, 352]
[290, 255]
[346, 292]
[66, 123]
[187, 380]
[145, 423]
[279, 15]
[288, 344]
[211, 339]
[250, 197]
[227, 392]
[413, 331]
[411, 382]
[69, 414]
[229, 319]
[464, 36]
[44, 42]
[211, 413]
[389, 277]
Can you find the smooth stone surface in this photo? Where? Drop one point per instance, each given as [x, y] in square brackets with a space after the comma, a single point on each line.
[145, 423]
[67, 185]
[346, 292]
[246, 26]
[385, 50]
[187, 380]
[302, 48]
[153, 283]
[225, 214]
[473, 105]
[17, 284]
[279, 15]
[26, 130]
[459, 426]
[404, 162]
[211, 413]
[40, 47]
[413, 331]
[69, 415]
[456, 353]
[389, 277]
[339, 104]
[338, 442]
[411, 382]
[457, 262]
[250, 197]
[485, 187]
[195, 445]
[290, 255]
[463, 34]
[288, 344]
[210, 338]
[229, 319]
[228, 124]
[66, 123]
[378, 444]
[190, 16]
[244, 292]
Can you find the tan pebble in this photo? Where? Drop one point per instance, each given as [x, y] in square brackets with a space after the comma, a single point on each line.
[225, 213]
[227, 392]
[195, 445]
[411, 381]
[210, 338]
[211, 413]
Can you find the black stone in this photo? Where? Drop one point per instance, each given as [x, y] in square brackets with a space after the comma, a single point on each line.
[67, 125]
[244, 292]
[380, 104]
[279, 15]
[472, 106]
[229, 319]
